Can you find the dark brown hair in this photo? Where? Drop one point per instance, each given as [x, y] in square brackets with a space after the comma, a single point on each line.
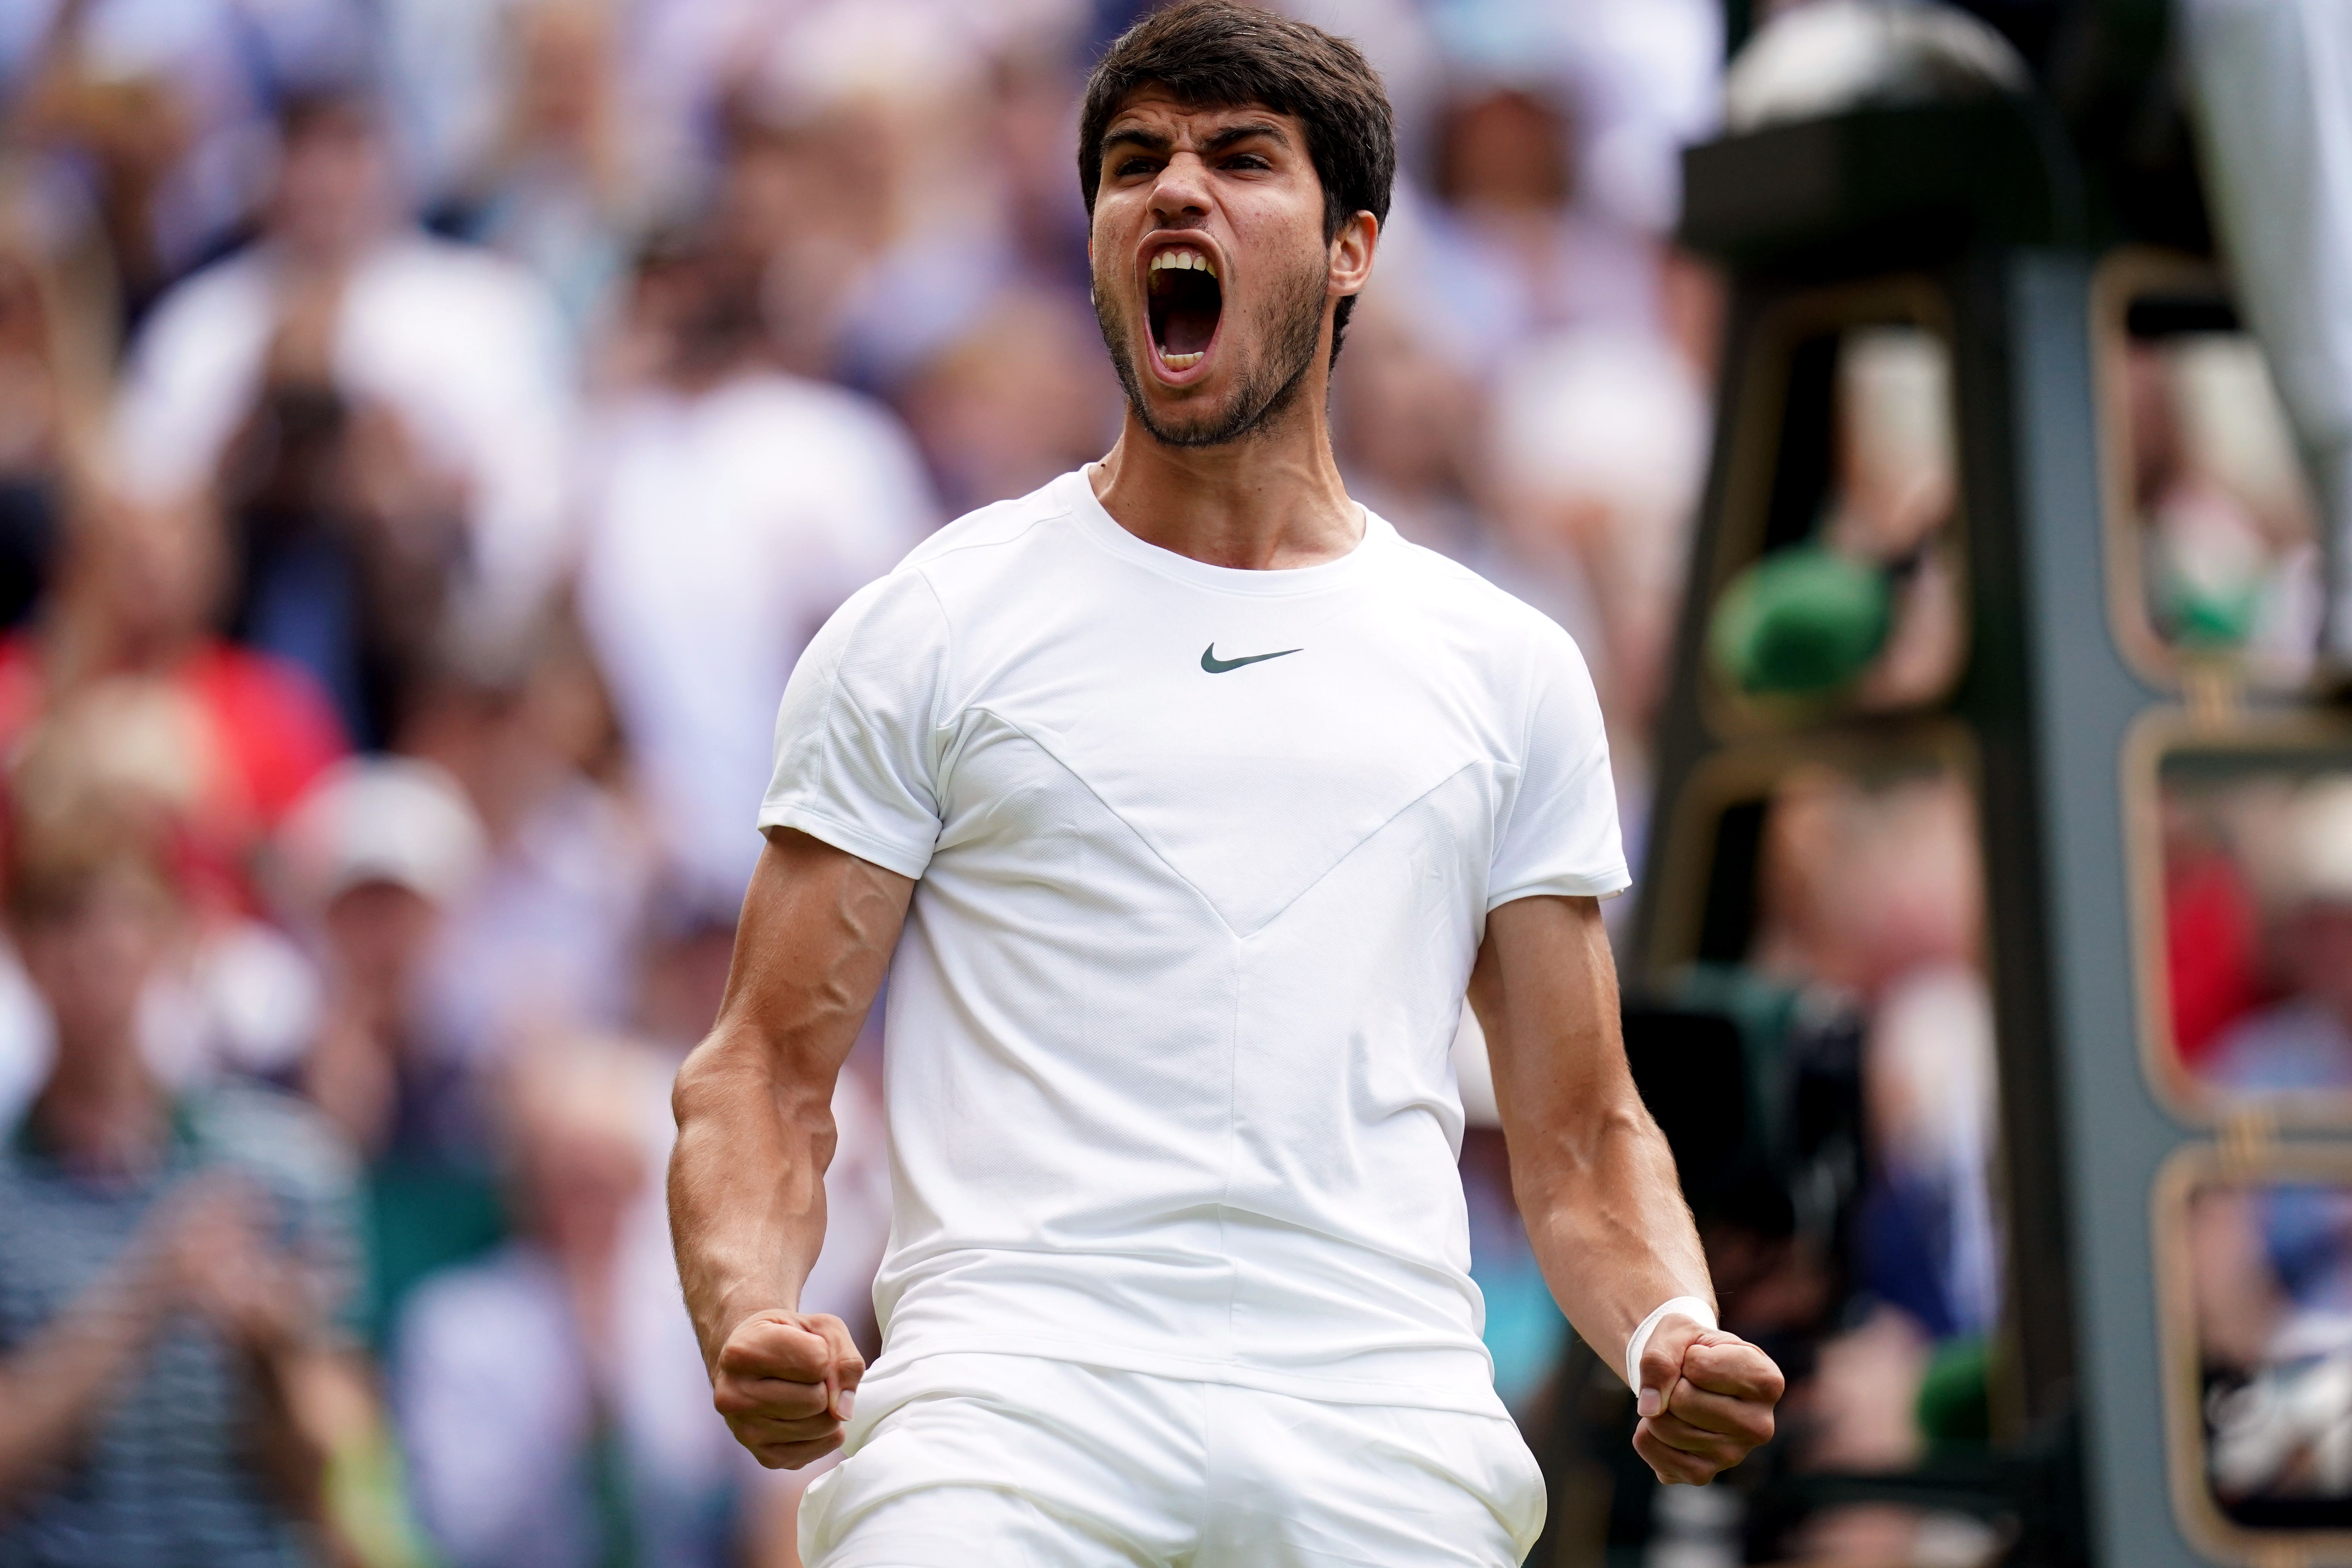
[1216, 54]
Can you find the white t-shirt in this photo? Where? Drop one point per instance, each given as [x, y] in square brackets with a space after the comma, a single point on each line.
[1205, 859]
[721, 531]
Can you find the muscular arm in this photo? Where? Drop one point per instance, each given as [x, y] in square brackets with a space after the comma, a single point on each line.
[1596, 1184]
[754, 1108]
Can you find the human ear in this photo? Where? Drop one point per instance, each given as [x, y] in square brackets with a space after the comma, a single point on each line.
[1351, 253]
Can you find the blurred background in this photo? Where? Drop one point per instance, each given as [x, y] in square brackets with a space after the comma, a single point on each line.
[431, 429]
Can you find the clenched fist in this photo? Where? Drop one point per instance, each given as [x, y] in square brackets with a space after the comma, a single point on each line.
[1705, 1401]
[785, 1383]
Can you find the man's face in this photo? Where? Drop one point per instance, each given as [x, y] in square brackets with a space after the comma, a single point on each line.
[92, 961]
[334, 192]
[1211, 276]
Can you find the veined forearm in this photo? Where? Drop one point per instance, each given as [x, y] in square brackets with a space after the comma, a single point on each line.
[746, 1186]
[754, 1102]
[1609, 1225]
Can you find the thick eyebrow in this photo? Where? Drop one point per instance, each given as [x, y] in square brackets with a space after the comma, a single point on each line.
[1154, 141]
[1135, 136]
[1233, 134]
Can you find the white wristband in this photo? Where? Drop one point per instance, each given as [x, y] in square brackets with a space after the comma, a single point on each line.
[1690, 1307]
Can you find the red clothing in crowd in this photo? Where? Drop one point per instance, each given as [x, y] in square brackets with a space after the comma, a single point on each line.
[2211, 950]
[273, 732]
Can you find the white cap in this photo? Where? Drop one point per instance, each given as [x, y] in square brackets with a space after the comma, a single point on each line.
[2319, 842]
[380, 820]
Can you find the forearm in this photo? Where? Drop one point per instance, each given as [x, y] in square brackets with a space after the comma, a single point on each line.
[54, 1387]
[746, 1183]
[1610, 1229]
[1593, 1176]
[288, 1452]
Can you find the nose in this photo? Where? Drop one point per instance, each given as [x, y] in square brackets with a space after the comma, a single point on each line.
[1181, 192]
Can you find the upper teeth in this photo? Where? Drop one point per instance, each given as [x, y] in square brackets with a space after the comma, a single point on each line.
[1184, 258]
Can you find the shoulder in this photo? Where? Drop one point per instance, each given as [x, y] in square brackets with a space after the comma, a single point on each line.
[1487, 622]
[988, 562]
[422, 290]
[472, 273]
[241, 277]
[216, 307]
[980, 566]
[892, 634]
[979, 540]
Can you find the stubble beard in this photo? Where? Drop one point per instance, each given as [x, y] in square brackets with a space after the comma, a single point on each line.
[1291, 327]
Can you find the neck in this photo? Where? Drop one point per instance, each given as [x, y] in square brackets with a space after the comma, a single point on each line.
[102, 1109]
[1271, 500]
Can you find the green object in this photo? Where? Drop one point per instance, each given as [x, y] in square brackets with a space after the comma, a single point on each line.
[366, 1497]
[1802, 622]
[423, 1216]
[2210, 619]
[1955, 1407]
[608, 1485]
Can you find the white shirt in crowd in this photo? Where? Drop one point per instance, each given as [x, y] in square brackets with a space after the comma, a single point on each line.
[463, 345]
[722, 530]
[1206, 856]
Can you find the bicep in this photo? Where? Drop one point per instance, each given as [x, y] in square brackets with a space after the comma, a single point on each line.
[1545, 989]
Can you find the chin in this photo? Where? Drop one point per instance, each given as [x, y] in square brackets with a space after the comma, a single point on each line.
[1204, 421]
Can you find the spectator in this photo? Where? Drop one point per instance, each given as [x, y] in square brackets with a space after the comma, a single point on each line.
[1870, 905]
[1024, 396]
[169, 1265]
[732, 507]
[2273, 1262]
[350, 538]
[1597, 449]
[461, 350]
[2230, 523]
[1404, 422]
[553, 1401]
[1517, 252]
[135, 595]
[48, 378]
[558, 190]
[2213, 958]
[547, 934]
[368, 864]
[2304, 1042]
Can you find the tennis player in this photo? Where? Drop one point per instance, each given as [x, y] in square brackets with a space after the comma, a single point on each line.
[1183, 801]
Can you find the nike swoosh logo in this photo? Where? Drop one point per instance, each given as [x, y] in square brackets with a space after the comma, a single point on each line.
[1215, 666]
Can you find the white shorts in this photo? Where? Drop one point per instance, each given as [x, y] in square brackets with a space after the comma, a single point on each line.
[1017, 1462]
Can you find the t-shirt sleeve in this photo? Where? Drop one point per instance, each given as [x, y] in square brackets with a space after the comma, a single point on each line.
[1560, 834]
[857, 736]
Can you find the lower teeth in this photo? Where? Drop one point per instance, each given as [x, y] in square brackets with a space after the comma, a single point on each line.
[1181, 362]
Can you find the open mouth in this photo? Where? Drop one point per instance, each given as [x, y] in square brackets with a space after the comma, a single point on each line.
[1184, 300]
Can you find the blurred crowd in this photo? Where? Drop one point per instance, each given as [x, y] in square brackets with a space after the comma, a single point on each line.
[429, 432]
[2258, 877]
